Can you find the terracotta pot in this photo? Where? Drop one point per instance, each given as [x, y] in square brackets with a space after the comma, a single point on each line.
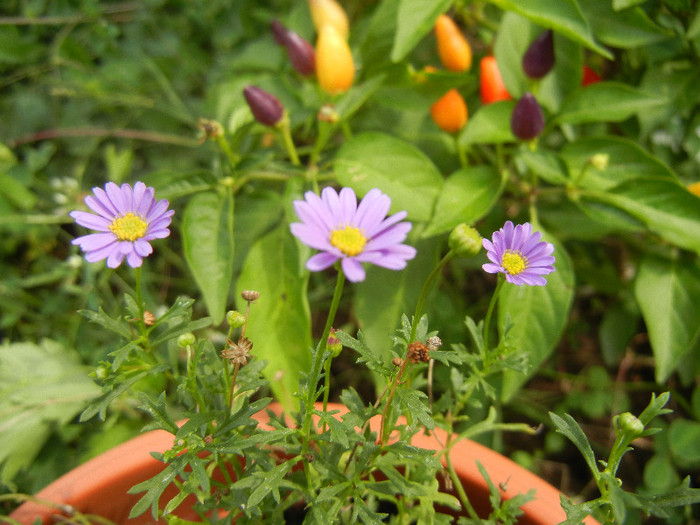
[100, 485]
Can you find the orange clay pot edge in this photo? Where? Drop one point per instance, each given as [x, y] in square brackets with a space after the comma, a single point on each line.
[100, 485]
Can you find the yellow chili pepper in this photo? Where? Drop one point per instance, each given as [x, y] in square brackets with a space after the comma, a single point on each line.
[335, 68]
[329, 12]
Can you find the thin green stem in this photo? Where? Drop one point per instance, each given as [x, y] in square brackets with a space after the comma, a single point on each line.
[424, 292]
[457, 483]
[286, 133]
[233, 159]
[489, 312]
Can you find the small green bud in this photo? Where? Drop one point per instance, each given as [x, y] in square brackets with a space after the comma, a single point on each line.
[333, 344]
[464, 240]
[630, 424]
[600, 161]
[186, 340]
[235, 319]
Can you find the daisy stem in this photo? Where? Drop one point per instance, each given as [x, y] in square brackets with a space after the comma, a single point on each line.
[424, 292]
[489, 312]
[316, 367]
[138, 288]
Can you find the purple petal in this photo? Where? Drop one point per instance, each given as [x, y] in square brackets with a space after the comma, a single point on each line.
[321, 261]
[91, 221]
[353, 270]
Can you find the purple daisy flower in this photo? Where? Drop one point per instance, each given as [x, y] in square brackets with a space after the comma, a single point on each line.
[127, 219]
[335, 224]
[518, 253]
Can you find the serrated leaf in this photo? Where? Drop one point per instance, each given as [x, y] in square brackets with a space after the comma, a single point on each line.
[207, 231]
[568, 426]
[118, 326]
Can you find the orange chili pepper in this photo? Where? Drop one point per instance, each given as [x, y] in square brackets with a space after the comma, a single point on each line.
[450, 112]
[454, 50]
[329, 12]
[335, 68]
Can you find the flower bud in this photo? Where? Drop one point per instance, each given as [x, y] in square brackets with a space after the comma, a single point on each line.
[450, 112]
[235, 319]
[527, 120]
[301, 53]
[454, 50]
[333, 344]
[630, 424]
[266, 108]
[335, 68]
[186, 340]
[538, 60]
[464, 240]
[600, 161]
[329, 12]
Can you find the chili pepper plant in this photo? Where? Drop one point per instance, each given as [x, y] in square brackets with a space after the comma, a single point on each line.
[480, 216]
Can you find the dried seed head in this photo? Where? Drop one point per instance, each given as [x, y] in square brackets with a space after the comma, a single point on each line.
[238, 353]
[418, 353]
[397, 361]
[210, 128]
[148, 318]
[538, 60]
[433, 343]
[250, 295]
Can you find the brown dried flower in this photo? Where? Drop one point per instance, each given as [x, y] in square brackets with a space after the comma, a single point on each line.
[250, 295]
[239, 352]
[418, 353]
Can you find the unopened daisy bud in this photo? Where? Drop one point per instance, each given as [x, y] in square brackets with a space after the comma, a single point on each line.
[333, 344]
[464, 240]
[630, 424]
[450, 112]
[210, 128]
[301, 53]
[538, 60]
[335, 68]
[235, 319]
[250, 295]
[527, 120]
[186, 340]
[418, 353]
[329, 12]
[454, 50]
[600, 161]
[266, 108]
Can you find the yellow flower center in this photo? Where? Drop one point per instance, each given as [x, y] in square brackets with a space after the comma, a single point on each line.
[128, 227]
[513, 262]
[349, 240]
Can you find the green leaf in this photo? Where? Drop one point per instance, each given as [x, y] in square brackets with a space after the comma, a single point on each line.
[623, 29]
[606, 102]
[375, 160]
[627, 161]
[668, 293]
[415, 20]
[665, 207]
[571, 429]
[117, 326]
[489, 125]
[154, 487]
[41, 387]
[466, 196]
[279, 324]
[564, 16]
[207, 231]
[545, 165]
[157, 411]
[684, 436]
[537, 316]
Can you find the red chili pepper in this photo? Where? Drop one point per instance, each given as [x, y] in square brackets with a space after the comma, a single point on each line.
[491, 85]
[589, 76]
[450, 112]
[454, 50]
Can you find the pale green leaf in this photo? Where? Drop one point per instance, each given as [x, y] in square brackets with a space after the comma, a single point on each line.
[415, 19]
